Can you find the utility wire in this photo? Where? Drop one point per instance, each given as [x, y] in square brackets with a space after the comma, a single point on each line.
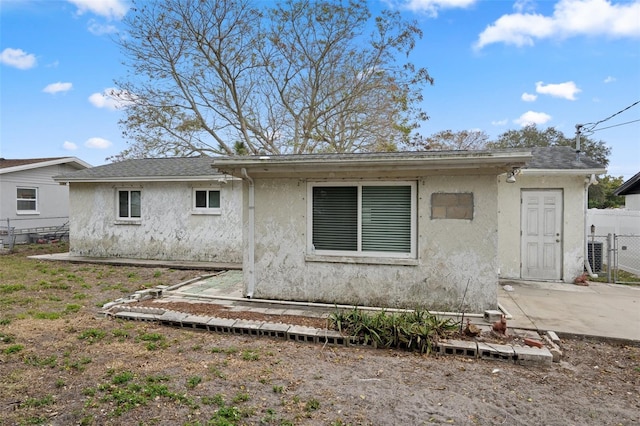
[615, 125]
[593, 125]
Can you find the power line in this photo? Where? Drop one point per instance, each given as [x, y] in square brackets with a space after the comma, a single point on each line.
[615, 125]
[593, 125]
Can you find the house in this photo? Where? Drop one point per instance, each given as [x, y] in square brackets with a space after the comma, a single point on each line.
[431, 229]
[631, 191]
[163, 208]
[403, 229]
[31, 203]
[542, 233]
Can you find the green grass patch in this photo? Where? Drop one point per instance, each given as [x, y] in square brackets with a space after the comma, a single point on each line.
[46, 315]
[11, 288]
[37, 402]
[124, 393]
[250, 355]
[193, 381]
[12, 349]
[217, 399]
[72, 308]
[92, 335]
[49, 361]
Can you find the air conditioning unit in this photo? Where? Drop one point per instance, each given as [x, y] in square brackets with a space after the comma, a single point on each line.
[594, 255]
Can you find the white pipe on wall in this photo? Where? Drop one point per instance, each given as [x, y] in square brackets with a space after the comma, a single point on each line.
[588, 182]
[251, 282]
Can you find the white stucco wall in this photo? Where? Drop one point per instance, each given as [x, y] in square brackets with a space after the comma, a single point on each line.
[451, 253]
[509, 217]
[168, 229]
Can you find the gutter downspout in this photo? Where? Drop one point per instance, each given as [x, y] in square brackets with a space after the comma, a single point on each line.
[590, 181]
[251, 282]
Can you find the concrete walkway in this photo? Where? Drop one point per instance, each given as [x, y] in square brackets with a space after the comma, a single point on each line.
[601, 310]
[605, 311]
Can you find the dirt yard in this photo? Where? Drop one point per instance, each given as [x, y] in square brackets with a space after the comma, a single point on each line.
[61, 364]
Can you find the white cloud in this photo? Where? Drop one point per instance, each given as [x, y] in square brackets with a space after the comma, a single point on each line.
[97, 143]
[609, 79]
[111, 9]
[570, 18]
[54, 88]
[528, 97]
[17, 58]
[567, 90]
[111, 99]
[69, 146]
[532, 117]
[97, 28]
[500, 122]
[431, 7]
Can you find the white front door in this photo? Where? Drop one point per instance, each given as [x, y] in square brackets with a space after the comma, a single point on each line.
[541, 235]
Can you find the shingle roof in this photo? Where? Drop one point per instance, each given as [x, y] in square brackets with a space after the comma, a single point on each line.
[6, 162]
[560, 158]
[22, 164]
[632, 186]
[146, 169]
[176, 168]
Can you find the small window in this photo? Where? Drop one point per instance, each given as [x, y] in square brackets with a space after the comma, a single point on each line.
[27, 200]
[206, 201]
[129, 204]
[376, 220]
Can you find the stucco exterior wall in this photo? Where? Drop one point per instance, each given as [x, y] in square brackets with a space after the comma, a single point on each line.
[168, 229]
[451, 253]
[573, 225]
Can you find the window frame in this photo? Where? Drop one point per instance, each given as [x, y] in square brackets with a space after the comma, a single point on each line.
[206, 210]
[127, 219]
[35, 209]
[359, 254]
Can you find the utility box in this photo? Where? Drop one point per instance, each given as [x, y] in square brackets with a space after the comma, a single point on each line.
[594, 255]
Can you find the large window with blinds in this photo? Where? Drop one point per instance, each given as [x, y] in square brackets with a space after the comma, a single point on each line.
[363, 219]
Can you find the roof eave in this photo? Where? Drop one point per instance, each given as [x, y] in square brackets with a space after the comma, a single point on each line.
[234, 166]
[565, 172]
[127, 179]
[41, 164]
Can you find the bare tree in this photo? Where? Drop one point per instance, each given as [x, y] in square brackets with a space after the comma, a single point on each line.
[235, 77]
[450, 140]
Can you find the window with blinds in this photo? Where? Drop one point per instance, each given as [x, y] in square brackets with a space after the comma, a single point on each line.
[363, 219]
[27, 200]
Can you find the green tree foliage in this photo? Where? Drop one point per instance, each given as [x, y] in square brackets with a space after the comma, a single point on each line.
[245, 77]
[601, 196]
[530, 136]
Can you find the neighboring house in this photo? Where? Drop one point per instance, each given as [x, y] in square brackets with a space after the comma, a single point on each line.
[542, 232]
[164, 209]
[30, 199]
[403, 229]
[631, 191]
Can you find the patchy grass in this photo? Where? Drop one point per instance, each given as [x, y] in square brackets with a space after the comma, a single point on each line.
[61, 364]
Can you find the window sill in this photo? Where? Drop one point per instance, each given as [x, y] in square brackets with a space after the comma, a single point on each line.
[212, 212]
[361, 260]
[27, 212]
[127, 222]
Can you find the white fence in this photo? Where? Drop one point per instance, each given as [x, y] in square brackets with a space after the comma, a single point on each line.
[614, 221]
[624, 225]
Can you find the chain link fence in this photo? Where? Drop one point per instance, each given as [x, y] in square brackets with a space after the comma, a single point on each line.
[616, 257]
[14, 231]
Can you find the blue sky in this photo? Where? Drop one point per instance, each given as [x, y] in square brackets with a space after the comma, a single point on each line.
[497, 65]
